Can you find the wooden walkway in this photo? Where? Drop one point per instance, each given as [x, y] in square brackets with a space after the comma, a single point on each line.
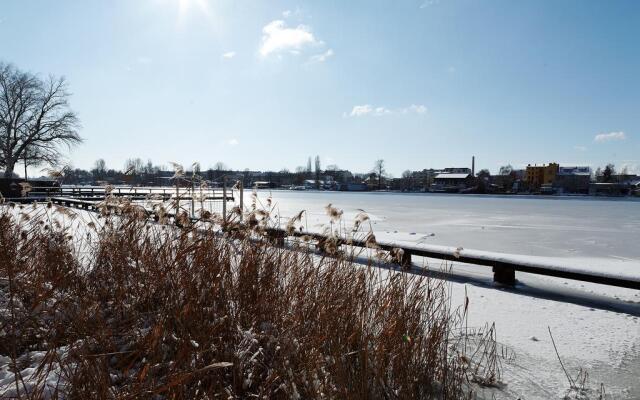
[503, 270]
[134, 192]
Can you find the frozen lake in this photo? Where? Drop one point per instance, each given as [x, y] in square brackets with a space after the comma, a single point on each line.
[596, 327]
[530, 225]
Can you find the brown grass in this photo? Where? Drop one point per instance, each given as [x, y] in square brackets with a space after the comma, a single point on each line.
[146, 310]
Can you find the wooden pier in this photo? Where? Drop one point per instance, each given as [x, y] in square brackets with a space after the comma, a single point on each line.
[504, 271]
[133, 192]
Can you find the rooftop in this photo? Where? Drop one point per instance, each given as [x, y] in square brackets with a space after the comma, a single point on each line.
[452, 176]
[575, 171]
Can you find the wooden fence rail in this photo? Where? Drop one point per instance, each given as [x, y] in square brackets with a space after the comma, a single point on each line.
[503, 270]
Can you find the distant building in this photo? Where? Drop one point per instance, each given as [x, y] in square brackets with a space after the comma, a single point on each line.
[339, 175]
[611, 189]
[538, 175]
[261, 184]
[573, 180]
[452, 182]
[329, 184]
[353, 187]
[617, 178]
[456, 170]
[422, 180]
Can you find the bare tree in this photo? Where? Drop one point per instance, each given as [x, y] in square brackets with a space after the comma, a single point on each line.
[35, 119]
[506, 169]
[608, 173]
[332, 167]
[484, 174]
[406, 179]
[133, 166]
[309, 168]
[378, 168]
[99, 169]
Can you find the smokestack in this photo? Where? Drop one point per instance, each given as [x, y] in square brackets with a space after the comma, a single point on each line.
[473, 165]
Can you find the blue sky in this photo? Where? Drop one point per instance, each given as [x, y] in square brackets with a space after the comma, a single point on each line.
[264, 85]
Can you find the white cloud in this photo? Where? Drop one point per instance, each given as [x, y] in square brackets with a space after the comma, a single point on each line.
[292, 13]
[322, 57]
[414, 108]
[427, 3]
[277, 37]
[233, 142]
[367, 109]
[229, 54]
[359, 111]
[611, 136]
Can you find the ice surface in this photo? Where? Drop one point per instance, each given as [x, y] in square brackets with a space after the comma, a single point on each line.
[583, 234]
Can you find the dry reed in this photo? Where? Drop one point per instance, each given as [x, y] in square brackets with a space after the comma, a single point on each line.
[146, 310]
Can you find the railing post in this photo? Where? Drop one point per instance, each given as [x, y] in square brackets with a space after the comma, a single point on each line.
[241, 187]
[504, 275]
[224, 200]
[193, 204]
[405, 260]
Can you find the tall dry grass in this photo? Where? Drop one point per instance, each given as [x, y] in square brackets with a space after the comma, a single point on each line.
[147, 310]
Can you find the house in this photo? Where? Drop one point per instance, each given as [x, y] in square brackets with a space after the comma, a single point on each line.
[573, 179]
[422, 180]
[353, 187]
[451, 182]
[457, 170]
[338, 175]
[610, 189]
[503, 183]
[321, 184]
[538, 175]
[261, 184]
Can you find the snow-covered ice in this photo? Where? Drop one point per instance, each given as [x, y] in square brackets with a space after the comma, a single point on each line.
[595, 327]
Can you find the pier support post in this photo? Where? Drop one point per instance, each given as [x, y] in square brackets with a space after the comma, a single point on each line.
[277, 237]
[405, 260]
[504, 275]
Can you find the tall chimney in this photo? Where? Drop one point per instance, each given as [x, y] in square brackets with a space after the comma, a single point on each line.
[473, 165]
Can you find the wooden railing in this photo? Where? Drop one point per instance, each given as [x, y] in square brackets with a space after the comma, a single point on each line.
[130, 191]
[504, 269]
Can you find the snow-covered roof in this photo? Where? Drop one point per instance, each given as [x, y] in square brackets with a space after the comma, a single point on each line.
[575, 170]
[452, 176]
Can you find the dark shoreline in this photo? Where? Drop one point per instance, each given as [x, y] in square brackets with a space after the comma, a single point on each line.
[483, 195]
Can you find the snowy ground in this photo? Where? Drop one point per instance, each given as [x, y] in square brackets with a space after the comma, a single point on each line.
[595, 327]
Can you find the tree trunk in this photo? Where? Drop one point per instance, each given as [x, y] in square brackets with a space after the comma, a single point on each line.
[8, 171]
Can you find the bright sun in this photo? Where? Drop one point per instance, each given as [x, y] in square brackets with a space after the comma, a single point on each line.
[185, 6]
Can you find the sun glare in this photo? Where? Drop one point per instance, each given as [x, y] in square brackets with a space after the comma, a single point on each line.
[185, 7]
